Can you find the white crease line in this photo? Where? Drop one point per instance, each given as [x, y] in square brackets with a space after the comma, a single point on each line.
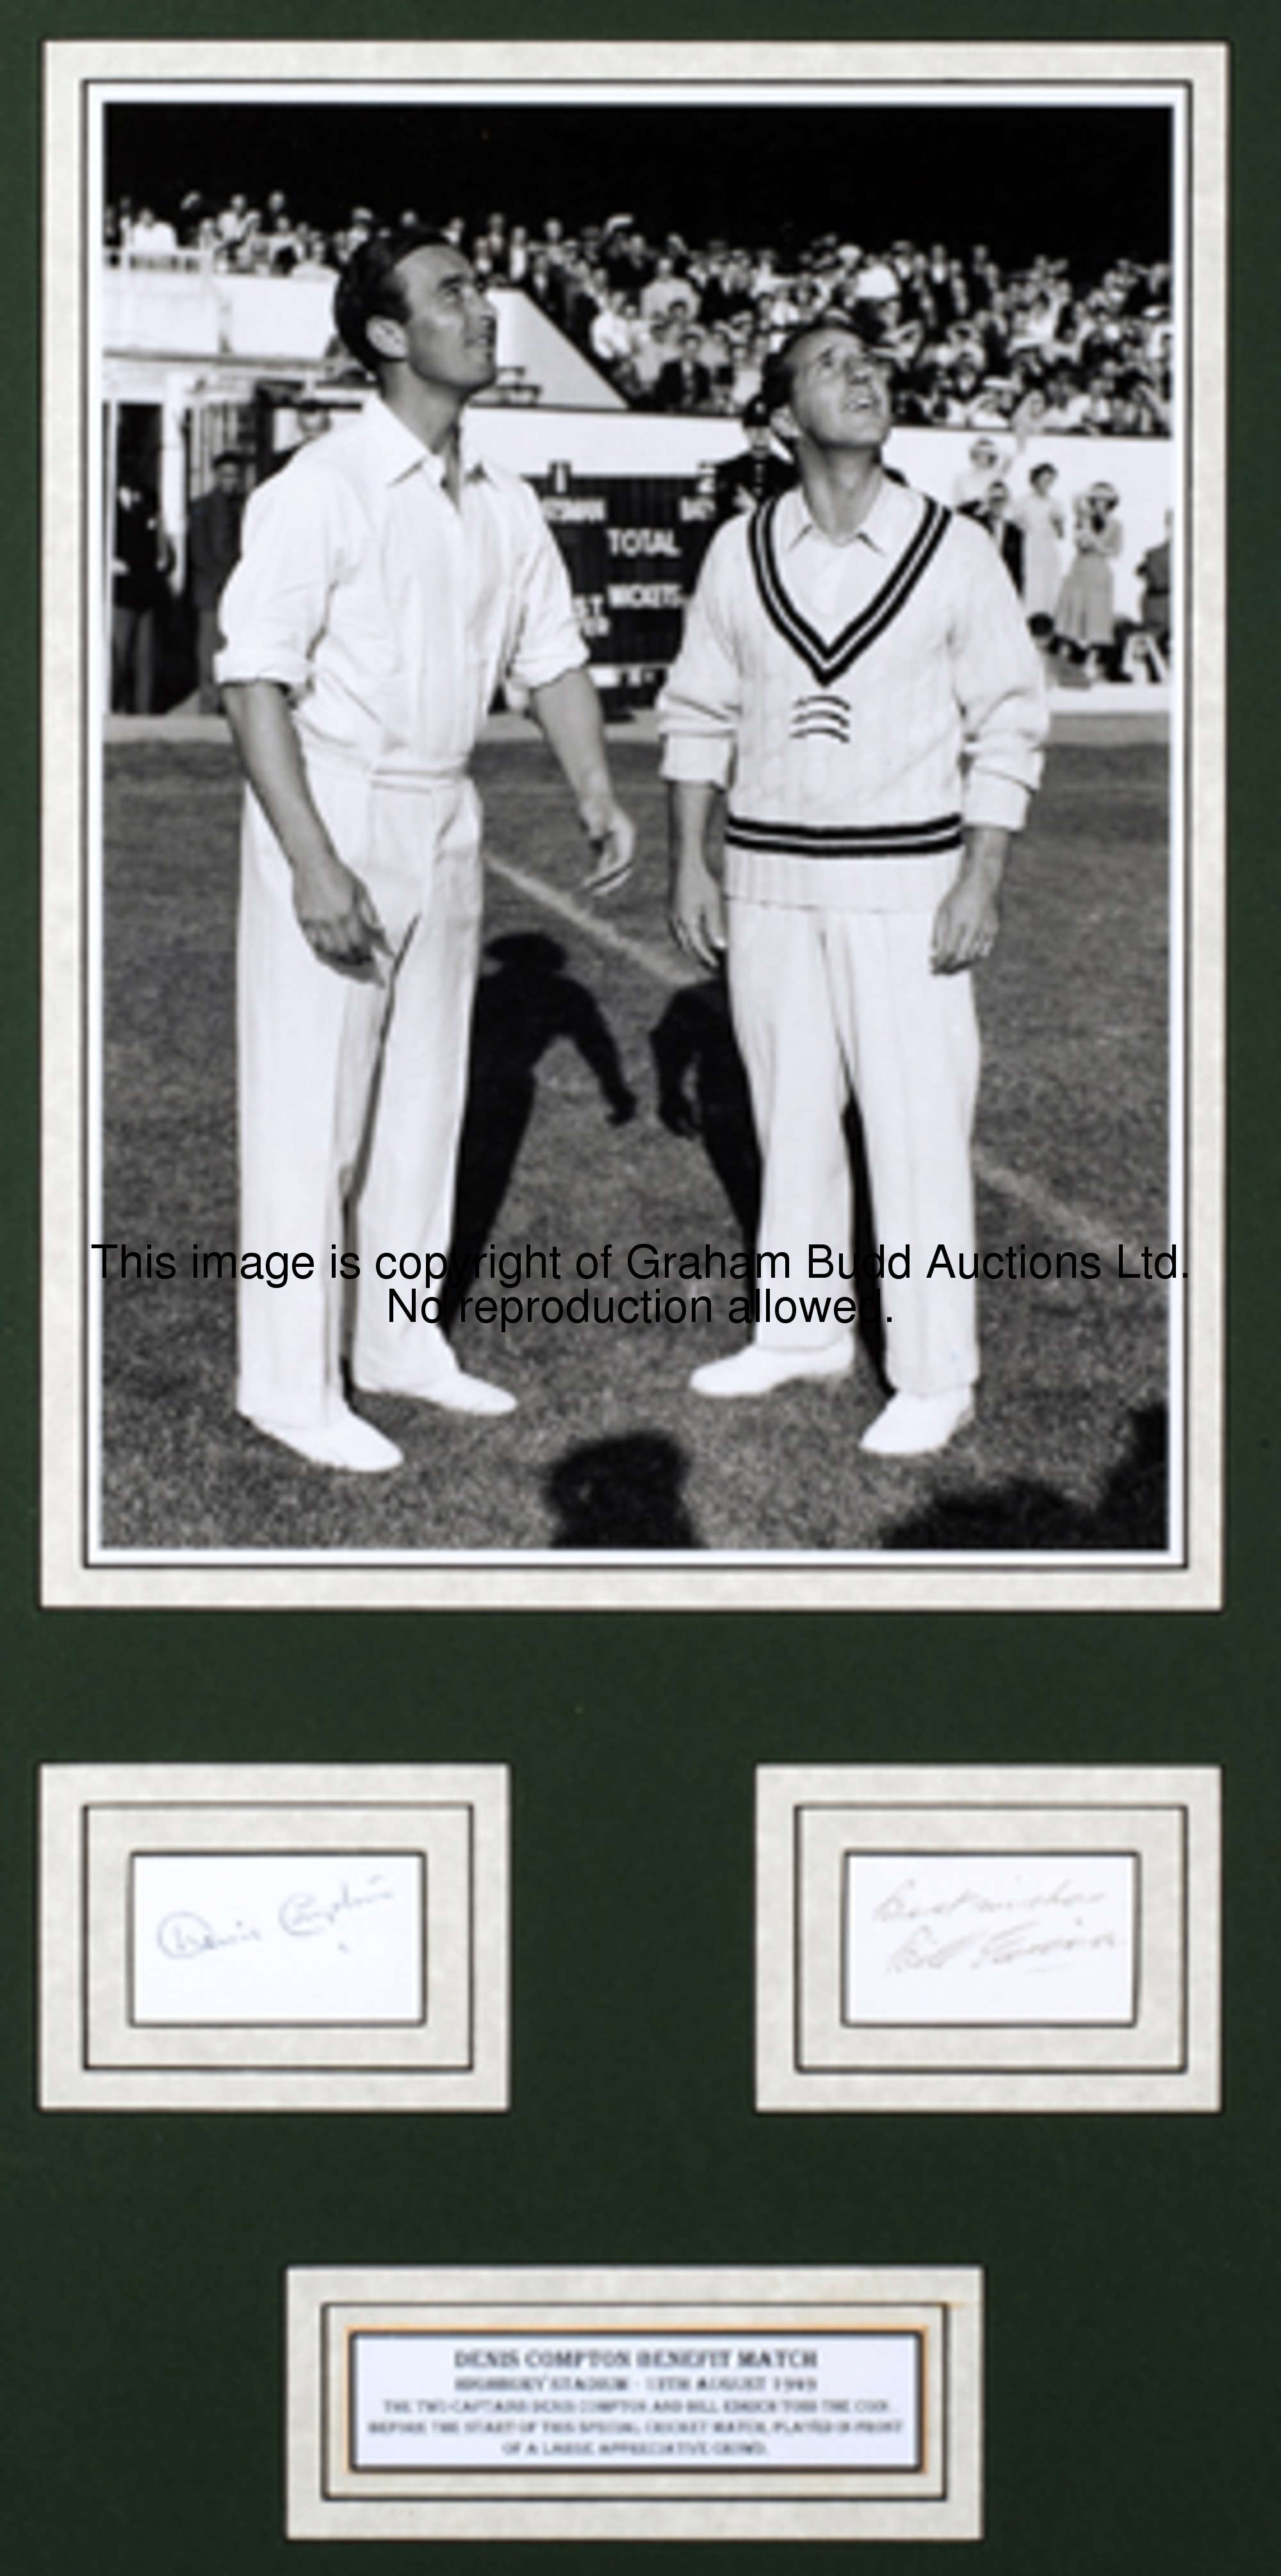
[669, 970]
[1060, 1216]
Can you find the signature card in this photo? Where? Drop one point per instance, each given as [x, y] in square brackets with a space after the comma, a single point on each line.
[1013, 1939]
[266, 1937]
[823, 2405]
[987, 1939]
[217, 1937]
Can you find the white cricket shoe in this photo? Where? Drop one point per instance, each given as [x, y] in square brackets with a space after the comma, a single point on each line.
[452, 1389]
[346, 1442]
[757, 1371]
[913, 1425]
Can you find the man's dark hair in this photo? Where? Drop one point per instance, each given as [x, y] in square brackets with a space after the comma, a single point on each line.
[777, 377]
[228, 456]
[369, 285]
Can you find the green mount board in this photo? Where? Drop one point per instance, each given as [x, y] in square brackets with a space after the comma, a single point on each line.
[1128, 2397]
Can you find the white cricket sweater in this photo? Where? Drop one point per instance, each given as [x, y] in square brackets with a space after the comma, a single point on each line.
[860, 702]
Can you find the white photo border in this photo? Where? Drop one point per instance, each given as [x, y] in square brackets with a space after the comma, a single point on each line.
[76, 1570]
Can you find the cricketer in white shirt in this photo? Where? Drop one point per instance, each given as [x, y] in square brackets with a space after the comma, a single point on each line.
[857, 677]
[388, 581]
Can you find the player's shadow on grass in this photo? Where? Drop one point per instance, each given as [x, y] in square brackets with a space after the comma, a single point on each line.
[703, 1093]
[623, 1493]
[523, 1006]
[1131, 1512]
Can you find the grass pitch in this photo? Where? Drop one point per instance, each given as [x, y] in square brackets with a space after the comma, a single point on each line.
[607, 1107]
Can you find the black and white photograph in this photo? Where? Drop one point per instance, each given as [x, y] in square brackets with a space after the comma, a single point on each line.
[633, 860]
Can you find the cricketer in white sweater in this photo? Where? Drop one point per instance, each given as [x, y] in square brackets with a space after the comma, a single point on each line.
[857, 677]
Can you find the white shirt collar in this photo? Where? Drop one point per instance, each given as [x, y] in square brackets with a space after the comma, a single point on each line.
[398, 451]
[886, 528]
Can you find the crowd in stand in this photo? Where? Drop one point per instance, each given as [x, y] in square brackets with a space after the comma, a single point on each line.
[973, 344]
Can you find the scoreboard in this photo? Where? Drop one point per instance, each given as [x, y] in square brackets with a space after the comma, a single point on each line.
[633, 546]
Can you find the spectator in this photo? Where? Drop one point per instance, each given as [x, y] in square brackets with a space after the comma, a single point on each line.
[1154, 589]
[1084, 620]
[313, 254]
[1041, 517]
[664, 290]
[585, 294]
[992, 512]
[280, 248]
[992, 405]
[1064, 404]
[742, 482]
[142, 559]
[684, 384]
[1036, 329]
[193, 216]
[901, 336]
[628, 263]
[749, 365]
[877, 281]
[610, 334]
[150, 242]
[651, 350]
[729, 289]
[683, 309]
[233, 224]
[1096, 416]
[718, 358]
[361, 227]
[937, 281]
[494, 244]
[213, 550]
[984, 464]
[1028, 416]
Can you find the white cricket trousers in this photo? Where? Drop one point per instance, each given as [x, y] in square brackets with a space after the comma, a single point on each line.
[352, 1090]
[825, 1003]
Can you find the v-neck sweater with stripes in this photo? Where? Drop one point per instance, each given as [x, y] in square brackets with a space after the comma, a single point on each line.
[861, 703]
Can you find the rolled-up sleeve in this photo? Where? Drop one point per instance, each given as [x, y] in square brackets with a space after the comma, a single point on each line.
[1000, 689]
[548, 639]
[699, 708]
[275, 604]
